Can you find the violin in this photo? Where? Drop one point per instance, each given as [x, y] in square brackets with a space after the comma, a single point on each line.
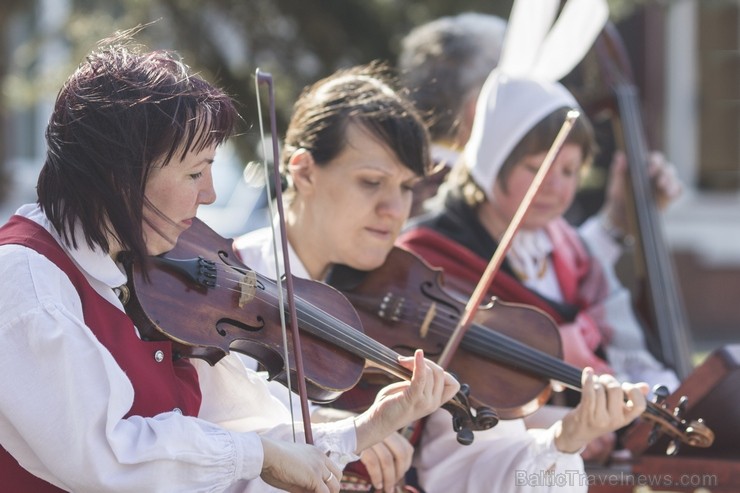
[510, 353]
[204, 299]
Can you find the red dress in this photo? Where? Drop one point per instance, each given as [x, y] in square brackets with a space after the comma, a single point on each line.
[160, 383]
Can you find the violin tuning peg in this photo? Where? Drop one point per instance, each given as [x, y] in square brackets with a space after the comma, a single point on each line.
[653, 436]
[486, 417]
[660, 392]
[464, 436]
[465, 389]
[673, 447]
[681, 407]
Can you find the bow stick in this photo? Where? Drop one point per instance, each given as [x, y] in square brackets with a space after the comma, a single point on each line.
[266, 78]
[498, 256]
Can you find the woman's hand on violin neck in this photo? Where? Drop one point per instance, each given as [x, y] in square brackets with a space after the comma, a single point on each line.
[401, 403]
[603, 409]
[298, 468]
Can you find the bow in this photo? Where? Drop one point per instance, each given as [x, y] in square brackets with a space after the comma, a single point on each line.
[498, 256]
[537, 51]
[266, 78]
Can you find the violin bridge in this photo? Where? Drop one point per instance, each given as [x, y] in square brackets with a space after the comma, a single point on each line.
[431, 313]
[247, 287]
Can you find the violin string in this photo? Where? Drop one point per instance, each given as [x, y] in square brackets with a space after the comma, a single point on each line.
[321, 318]
[499, 345]
[486, 342]
[506, 349]
[363, 345]
[354, 340]
[552, 367]
[511, 351]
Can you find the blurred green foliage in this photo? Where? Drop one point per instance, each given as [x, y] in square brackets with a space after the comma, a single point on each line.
[298, 41]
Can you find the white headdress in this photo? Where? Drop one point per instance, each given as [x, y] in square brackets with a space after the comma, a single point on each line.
[523, 89]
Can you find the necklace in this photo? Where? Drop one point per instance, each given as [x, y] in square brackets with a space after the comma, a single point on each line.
[540, 272]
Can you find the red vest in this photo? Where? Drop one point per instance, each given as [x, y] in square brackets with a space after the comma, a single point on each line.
[159, 386]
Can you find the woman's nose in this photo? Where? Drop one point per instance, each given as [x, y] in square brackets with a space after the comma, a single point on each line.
[207, 194]
[395, 204]
[553, 179]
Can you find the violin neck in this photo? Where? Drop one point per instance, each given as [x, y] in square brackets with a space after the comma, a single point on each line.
[328, 328]
[510, 352]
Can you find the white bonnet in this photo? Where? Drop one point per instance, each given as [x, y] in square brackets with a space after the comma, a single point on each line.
[524, 89]
[510, 107]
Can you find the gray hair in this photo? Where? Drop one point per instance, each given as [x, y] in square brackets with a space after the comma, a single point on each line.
[446, 61]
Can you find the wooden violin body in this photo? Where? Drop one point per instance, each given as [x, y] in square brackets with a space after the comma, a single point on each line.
[403, 305]
[211, 304]
[512, 352]
[200, 296]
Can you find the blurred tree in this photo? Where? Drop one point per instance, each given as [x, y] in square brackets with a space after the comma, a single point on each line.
[7, 9]
[298, 41]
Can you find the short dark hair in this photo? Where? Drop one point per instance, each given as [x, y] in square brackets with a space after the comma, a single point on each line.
[540, 138]
[120, 113]
[362, 95]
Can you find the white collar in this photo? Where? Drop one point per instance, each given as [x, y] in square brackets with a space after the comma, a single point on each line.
[93, 262]
[528, 253]
[297, 269]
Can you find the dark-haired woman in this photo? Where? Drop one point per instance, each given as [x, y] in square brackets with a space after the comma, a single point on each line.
[86, 405]
[353, 150]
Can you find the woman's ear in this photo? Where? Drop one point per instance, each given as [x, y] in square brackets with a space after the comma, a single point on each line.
[302, 168]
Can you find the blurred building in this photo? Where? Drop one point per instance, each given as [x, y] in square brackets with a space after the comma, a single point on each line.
[691, 82]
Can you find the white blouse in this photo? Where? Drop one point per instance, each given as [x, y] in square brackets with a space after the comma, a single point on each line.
[507, 458]
[63, 398]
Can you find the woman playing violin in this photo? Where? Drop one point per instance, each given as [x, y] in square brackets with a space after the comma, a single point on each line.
[548, 265]
[86, 404]
[352, 153]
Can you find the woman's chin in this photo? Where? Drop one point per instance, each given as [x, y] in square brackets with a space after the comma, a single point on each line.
[369, 262]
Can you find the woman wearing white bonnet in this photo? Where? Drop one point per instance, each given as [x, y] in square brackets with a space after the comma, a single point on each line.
[519, 112]
[513, 101]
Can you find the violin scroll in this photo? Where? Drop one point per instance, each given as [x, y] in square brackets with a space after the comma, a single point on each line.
[695, 433]
[466, 418]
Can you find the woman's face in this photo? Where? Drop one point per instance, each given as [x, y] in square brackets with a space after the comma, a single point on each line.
[356, 205]
[553, 198]
[176, 190]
